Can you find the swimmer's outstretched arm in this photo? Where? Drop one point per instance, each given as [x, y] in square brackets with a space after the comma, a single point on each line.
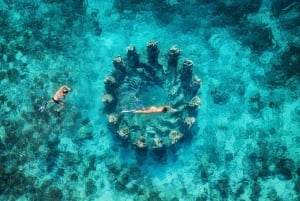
[142, 111]
[136, 111]
[172, 109]
[127, 111]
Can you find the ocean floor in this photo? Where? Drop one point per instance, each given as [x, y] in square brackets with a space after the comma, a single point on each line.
[244, 144]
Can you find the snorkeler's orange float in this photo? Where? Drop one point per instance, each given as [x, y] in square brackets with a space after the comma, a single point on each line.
[136, 86]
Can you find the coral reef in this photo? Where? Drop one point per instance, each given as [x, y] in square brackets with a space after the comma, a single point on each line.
[173, 56]
[112, 118]
[190, 121]
[141, 85]
[157, 143]
[124, 132]
[141, 142]
[245, 148]
[195, 102]
[186, 70]
[175, 136]
[152, 52]
[119, 64]
[110, 84]
[107, 98]
[133, 60]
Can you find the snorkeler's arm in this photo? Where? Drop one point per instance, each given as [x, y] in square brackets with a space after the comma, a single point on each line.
[127, 111]
[141, 111]
[172, 109]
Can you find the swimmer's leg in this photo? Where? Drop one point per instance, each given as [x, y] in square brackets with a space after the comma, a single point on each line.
[62, 105]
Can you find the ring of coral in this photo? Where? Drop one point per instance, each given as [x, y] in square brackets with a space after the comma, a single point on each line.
[136, 85]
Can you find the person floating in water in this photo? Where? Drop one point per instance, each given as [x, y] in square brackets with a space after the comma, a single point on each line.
[150, 110]
[59, 94]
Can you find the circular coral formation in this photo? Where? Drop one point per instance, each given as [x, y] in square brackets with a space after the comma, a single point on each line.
[134, 85]
[109, 80]
[124, 132]
[107, 98]
[141, 142]
[196, 82]
[190, 121]
[188, 64]
[119, 63]
[173, 56]
[175, 136]
[195, 102]
[112, 119]
[157, 143]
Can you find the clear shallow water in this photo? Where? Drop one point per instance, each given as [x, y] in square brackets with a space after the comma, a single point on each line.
[246, 141]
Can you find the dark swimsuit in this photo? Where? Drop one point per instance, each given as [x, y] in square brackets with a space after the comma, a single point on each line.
[56, 101]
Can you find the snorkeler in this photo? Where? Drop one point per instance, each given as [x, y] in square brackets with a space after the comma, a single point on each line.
[150, 110]
[60, 94]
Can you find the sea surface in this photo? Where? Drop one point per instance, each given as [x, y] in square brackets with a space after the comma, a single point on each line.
[243, 145]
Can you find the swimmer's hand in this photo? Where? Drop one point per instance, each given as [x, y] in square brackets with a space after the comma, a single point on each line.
[172, 109]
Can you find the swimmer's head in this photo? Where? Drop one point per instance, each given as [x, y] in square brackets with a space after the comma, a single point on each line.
[65, 91]
[165, 109]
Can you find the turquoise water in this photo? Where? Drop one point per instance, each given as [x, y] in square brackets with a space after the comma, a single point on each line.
[244, 144]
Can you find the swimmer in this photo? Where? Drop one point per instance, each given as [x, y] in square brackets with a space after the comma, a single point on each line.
[59, 94]
[150, 110]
